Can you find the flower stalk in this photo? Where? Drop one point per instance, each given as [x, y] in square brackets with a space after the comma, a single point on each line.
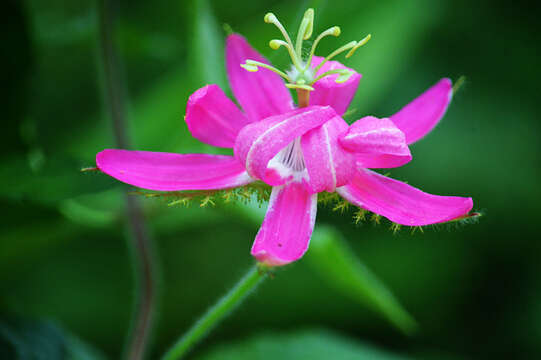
[217, 313]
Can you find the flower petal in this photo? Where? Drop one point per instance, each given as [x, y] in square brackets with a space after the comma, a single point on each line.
[327, 163]
[262, 93]
[400, 202]
[172, 172]
[212, 118]
[259, 142]
[328, 92]
[377, 143]
[285, 233]
[421, 115]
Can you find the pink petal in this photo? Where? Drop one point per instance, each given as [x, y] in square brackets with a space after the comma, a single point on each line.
[327, 163]
[400, 202]
[171, 172]
[421, 115]
[377, 143]
[285, 233]
[262, 93]
[259, 142]
[212, 118]
[328, 92]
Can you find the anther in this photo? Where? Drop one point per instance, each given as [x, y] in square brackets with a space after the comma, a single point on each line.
[359, 44]
[340, 50]
[334, 31]
[250, 68]
[275, 44]
[270, 18]
[309, 14]
[253, 66]
[305, 30]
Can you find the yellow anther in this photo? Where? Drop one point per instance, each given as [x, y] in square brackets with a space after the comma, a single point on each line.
[342, 78]
[275, 44]
[305, 30]
[334, 31]
[253, 66]
[358, 45]
[340, 50]
[309, 14]
[250, 68]
[270, 18]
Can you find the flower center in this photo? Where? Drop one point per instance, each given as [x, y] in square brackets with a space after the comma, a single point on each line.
[301, 76]
[290, 161]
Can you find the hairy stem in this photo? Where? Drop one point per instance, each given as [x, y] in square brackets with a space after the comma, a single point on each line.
[143, 260]
[215, 314]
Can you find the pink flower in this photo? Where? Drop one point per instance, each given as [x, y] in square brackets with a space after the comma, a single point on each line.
[298, 151]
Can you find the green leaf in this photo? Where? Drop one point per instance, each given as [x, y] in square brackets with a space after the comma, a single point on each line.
[96, 210]
[336, 263]
[48, 179]
[308, 344]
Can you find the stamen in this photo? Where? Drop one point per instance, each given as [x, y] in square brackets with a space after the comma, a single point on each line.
[270, 18]
[301, 76]
[359, 44]
[305, 31]
[351, 46]
[275, 45]
[253, 66]
[334, 31]
[344, 75]
[340, 50]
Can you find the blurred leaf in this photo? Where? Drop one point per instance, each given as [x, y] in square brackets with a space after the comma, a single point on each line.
[42, 340]
[207, 54]
[308, 344]
[47, 180]
[336, 263]
[96, 210]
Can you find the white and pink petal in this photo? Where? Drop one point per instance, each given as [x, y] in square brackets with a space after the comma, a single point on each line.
[376, 143]
[420, 116]
[172, 172]
[261, 94]
[328, 92]
[260, 142]
[328, 164]
[287, 228]
[400, 202]
[213, 118]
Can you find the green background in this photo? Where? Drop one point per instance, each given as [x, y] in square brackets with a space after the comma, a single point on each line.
[66, 282]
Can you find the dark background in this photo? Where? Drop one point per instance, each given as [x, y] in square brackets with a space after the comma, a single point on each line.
[65, 268]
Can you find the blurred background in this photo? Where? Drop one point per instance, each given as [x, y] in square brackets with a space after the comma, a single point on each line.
[67, 286]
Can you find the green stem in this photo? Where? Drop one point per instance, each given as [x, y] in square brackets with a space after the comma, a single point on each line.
[139, 241]
[216, 313]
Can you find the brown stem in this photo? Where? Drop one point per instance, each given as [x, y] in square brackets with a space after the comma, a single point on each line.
[303, 97]
[139, 241]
